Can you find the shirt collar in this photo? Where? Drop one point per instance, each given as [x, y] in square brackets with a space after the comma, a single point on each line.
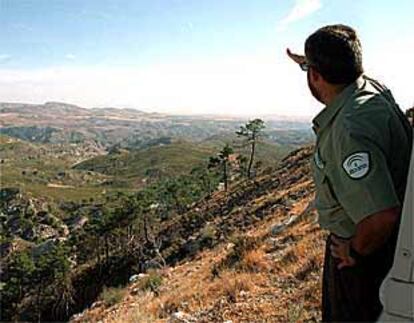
[322, 120]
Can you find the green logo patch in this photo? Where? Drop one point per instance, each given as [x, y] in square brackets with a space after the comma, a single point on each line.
[357, 165]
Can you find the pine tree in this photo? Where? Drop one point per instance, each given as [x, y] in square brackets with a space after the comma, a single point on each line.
[251, 131]
[222, 160]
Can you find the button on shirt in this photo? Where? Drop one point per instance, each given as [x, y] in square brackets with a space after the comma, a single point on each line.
[361, 157]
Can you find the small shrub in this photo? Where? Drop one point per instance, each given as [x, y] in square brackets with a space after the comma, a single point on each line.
[242, 245]
[208, 235]
[151, 282]
[233, 286]
[112, 295]
[255, 261]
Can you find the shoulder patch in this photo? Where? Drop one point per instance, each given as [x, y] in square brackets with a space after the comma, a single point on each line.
[357, 165]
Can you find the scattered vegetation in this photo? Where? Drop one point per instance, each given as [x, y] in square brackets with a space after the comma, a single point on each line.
[70, 231]
[252, 275]
[112, 295]
[242, 245]
[151, 282]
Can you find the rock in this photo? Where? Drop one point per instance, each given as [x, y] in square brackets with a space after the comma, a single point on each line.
[64, 230]
[76, 316]
[291, 220]
[181, 317]
[46, 232]
[133, 278]
[96, 304]
[78, 223]
[278, 228]
[135, 291]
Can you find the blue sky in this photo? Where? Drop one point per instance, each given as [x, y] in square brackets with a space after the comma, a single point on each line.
[181, 56]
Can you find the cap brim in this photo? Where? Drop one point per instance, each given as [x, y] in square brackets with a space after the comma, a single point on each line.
[298, 59]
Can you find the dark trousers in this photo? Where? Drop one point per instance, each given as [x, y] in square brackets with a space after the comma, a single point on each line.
[351, 294]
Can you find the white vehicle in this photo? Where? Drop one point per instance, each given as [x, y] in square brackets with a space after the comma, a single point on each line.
[397, 290]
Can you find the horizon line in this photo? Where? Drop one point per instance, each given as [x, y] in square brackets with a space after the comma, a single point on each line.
[178, 113]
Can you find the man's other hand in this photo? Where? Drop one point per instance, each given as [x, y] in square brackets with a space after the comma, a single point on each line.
[340, 250]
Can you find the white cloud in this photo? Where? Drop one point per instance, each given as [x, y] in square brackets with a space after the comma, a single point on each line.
[301, 9]
[70, 56]
[246, 85]
[239, 86]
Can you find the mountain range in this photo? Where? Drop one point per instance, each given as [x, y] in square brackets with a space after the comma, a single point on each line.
[55, 122]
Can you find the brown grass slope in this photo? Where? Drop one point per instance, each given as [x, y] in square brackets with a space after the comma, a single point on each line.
[253, 254]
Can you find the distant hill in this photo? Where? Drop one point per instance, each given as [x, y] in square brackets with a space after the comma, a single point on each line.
[55, 122]
[48, 109]
[35, 168]
[153, 162]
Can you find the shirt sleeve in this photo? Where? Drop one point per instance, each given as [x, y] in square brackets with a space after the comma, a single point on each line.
[360, 176]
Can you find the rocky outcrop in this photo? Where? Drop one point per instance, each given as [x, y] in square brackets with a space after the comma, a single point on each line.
[25, 218]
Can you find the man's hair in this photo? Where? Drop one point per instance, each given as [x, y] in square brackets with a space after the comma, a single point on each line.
[335, 52]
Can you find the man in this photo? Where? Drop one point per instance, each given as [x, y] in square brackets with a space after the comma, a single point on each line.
[410, 115]
[360, 169]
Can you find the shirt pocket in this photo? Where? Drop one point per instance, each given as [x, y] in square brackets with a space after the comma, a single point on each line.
[325, 197]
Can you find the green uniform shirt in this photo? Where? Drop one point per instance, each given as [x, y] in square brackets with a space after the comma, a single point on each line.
[361, 157]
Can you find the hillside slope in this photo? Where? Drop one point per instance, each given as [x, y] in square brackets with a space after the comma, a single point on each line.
[253, 254]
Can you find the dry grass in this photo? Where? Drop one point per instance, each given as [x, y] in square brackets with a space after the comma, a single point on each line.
[231, 284]
[135, 313]
[255, 261]
[256, 278]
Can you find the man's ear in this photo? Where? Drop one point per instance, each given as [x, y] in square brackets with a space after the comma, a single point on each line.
[314, 75]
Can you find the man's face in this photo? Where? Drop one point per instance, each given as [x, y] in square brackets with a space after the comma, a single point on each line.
[313, 87]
